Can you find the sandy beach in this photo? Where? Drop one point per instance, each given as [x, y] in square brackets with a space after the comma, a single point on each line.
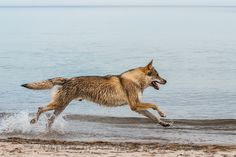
[41, 148]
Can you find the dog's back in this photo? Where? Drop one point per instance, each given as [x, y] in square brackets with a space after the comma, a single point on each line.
[104, 90]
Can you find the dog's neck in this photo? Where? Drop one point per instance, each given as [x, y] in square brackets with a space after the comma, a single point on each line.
[136, 78]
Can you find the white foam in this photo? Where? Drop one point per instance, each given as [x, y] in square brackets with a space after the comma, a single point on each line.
[19, 123]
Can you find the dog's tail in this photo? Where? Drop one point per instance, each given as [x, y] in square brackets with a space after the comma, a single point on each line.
[45, 84]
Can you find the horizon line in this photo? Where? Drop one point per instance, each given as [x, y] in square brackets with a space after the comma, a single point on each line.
[131, 6]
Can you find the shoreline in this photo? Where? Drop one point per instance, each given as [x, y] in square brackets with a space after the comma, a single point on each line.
[14, 146]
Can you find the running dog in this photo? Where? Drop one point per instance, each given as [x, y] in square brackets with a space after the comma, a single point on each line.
[109, 90]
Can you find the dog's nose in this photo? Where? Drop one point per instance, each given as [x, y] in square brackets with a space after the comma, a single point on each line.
[165, 81]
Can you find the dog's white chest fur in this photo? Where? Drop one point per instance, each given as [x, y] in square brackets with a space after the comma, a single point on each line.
[140, 94]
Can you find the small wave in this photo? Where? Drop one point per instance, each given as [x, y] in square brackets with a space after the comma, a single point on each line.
[91, 127]
[12, 123]
[139, 120]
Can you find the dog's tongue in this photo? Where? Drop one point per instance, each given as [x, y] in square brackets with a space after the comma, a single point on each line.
[156, 85]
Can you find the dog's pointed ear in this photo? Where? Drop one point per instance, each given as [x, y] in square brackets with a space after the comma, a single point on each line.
[149, 65]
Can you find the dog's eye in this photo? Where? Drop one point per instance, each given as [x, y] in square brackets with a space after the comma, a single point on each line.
[149, 73]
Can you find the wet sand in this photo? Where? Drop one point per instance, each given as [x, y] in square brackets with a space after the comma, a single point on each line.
[41, 148]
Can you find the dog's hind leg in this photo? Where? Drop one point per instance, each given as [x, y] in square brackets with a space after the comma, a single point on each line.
[56, 113]
[149, 115]
[50, 106]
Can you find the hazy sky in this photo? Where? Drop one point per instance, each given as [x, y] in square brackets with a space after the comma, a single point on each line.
[119, 2]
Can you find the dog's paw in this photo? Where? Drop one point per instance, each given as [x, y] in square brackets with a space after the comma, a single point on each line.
[33, 121]
[40, 109]
[162, 114]
[165, 124]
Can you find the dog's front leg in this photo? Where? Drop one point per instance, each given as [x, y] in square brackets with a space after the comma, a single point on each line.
[136, 105]
[149, 115]
[144, 106]
[162, 114]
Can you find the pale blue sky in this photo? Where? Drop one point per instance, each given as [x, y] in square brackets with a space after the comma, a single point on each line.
[119, 2]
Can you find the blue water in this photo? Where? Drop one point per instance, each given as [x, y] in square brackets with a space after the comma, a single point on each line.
[194, 48]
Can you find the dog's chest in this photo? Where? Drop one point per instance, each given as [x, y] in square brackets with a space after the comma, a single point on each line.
[140, 94]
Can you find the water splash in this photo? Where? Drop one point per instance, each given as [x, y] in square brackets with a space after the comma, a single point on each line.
[19, 123]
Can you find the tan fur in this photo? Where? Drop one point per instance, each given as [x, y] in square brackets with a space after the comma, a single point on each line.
[45, 84]
[110, 90]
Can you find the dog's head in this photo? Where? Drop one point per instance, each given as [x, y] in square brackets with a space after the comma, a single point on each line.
[152, 76]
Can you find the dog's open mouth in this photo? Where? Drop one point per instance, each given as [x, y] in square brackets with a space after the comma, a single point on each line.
[155, 85]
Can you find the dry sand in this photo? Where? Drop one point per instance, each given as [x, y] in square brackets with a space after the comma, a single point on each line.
[19, 147]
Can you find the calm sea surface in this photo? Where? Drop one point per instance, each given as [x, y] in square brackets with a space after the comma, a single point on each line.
[194, 49]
